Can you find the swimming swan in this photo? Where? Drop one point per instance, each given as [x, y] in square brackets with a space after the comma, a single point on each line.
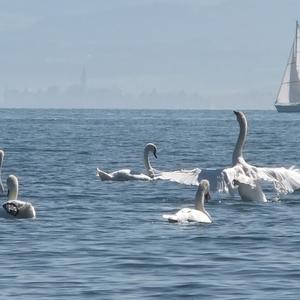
[222, 180]
[285, 180]
[199, 213]
[14, 208]
[243, 176]
[126, 174]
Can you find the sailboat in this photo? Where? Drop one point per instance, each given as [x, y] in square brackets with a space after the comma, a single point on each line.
[288, 98]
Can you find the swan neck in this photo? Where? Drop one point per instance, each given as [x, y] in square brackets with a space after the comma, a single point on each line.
[147, 161]
[238, 150]
[13, 193]
[199, 205]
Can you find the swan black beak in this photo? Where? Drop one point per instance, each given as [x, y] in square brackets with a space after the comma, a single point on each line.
[236, 112]
[207, 196]
[235, 182]
[154, 153]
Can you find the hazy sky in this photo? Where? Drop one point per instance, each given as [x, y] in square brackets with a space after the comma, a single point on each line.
[231, 52]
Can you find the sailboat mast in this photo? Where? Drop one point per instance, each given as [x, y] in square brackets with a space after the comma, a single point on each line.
[296, 34]
[288, 97]
[296, 43]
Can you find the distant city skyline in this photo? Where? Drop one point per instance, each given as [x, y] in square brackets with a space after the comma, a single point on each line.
[81, 95]
[220, 54]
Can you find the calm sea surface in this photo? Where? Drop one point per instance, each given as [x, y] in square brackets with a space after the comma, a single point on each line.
[107, 240]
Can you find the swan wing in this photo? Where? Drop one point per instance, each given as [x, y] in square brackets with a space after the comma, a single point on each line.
[220, 179]
[121, 175]
[182, 216]
[285, 180]
[199, 216]
[127, 174]
[187, 177]
[185, 215]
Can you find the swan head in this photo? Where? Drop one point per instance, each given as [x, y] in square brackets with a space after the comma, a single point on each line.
[12, 187]
[204, 188]
[151, 148]
[240, 116]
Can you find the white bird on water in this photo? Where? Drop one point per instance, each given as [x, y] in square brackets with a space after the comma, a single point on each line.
[127, 174]
[285, 180]
[198, 214]
[15, 208]
[246, 177]
[221, 179]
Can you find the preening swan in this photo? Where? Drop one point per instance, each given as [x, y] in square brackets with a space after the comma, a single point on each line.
[197, 214]
[15, 208]
[127, 174]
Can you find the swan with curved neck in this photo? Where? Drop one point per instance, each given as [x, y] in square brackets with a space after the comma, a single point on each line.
[199, 213]
[237, 155]
[247, 191]
[15, 208]
[149, 148]
[127, 174]
[246, 177]
[284, 180]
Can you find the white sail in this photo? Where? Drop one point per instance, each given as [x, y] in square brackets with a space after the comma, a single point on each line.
[289, 91]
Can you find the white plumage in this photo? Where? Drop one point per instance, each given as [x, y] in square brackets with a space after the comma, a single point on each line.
[127, 174]
[14, 208]
[197, 214]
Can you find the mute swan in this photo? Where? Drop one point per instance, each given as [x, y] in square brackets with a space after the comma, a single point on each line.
[220, 179]
[14, 208]
[197, 214]
[245, 177]
[284, 180]
[126, 174]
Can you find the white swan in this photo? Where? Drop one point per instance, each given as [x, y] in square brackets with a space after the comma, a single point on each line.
[222, 180]
[127, 174]
[197, 214]
[285, 180]
[245, 177]
[14, 208]
[1, 163]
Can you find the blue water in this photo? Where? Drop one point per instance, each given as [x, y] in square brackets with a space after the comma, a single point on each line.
[107, 240]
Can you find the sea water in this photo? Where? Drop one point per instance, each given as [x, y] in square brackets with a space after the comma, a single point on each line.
[107, 240]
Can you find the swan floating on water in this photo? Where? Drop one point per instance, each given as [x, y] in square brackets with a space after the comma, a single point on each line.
[285, 180]
[15, 208]
[242, 176]
[222, 180]
[199, 213]
[127, 174]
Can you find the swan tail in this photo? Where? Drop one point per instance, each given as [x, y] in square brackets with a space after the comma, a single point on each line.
[103, 175]
[171, 218]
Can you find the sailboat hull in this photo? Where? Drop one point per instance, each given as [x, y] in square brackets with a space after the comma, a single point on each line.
[290, 108]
